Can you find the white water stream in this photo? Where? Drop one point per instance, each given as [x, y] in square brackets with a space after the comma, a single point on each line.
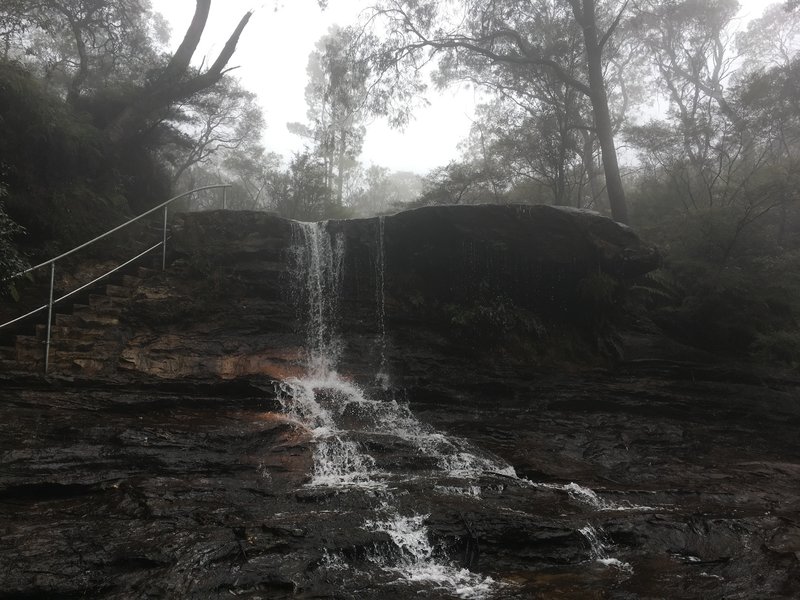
[339, 413]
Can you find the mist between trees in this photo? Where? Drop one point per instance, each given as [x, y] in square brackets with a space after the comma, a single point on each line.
[99, 122]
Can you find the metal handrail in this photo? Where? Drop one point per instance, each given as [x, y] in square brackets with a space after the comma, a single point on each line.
[52, 262]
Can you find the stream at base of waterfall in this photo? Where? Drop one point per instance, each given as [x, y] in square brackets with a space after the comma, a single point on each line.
[369, 446]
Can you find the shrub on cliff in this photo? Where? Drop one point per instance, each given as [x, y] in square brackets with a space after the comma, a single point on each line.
[11, 261]
[734, 285]
[52, 161]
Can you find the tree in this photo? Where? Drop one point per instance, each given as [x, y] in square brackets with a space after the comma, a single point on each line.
[176, 82]
[10, 260]
[381, 191]
[89, 106]
[336, 95]
[505, 33]
[532, 127]
[79, 46]
[225, 117]
[595, 41]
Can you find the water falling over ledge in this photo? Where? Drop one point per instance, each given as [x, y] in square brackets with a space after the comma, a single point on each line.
[340, 416]
[351, 427]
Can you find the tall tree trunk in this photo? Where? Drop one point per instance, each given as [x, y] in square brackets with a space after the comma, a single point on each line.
[586, 17]
[589, 168]
[340, 170]
[174, 83]
[76, 85]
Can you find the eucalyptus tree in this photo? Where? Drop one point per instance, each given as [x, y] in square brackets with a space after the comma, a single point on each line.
[509, 34]
[80, 46]
[218, 122]
[531, 127]
[89, 99]
[177, 81]
[710, 143]
[336, 95]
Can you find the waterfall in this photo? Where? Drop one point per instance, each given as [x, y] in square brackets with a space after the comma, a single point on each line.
[318, 276]
[340, 415]
[345, 421]
[382, 376]
[599, 549]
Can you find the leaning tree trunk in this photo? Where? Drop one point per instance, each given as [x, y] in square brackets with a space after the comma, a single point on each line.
[586, 17]
[589, 169]
[174, 83]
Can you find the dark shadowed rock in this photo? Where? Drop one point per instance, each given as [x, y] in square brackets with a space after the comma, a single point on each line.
[175, 472]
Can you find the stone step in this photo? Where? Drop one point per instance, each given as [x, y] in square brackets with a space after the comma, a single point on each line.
[102, 303]
[87, 333]
[8, 353]
[77, 362]
[131, 282]
[90, 348]
[29, 349]
[146, 273]
[88, 319]
[11, 366]
[118, 291]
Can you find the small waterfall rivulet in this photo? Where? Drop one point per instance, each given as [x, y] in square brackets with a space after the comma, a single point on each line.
[339, 413]
[382, 376]
[352, 429]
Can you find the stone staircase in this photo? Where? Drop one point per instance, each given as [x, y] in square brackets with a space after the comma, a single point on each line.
[85, 337]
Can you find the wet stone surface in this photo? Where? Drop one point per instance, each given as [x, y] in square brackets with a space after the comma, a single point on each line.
[631, 485]
[229, 451]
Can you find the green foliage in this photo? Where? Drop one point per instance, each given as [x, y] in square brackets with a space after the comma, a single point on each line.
[49, 156]
[494, 317]
[64, 183]
[730, 285]
[657, 289]
[599, 292]
[11, 262]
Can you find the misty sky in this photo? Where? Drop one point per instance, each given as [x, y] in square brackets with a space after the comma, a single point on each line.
[272, 57]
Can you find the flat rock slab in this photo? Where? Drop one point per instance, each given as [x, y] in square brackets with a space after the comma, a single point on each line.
[200, 491]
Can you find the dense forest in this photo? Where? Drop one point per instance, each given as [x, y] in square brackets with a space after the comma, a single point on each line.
[669, 115]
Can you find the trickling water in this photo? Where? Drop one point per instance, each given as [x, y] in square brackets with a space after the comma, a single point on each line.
[417, 560]
[338, 461]
[590, 497]
[382, 377]
[343, 420]
[319, 259]
[599, 549]
[339, 413]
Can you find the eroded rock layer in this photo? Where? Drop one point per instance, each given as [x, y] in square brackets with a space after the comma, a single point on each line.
[497, 443]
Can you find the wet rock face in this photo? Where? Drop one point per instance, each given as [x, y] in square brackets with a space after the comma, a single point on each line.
[187, 471]
[688, 485]
[465, 278]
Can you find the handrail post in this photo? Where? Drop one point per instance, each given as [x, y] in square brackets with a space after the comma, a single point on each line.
[164, 243]
[49, 317]
[224, 196]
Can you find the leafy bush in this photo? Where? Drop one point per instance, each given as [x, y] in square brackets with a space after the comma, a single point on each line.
[731, 282]
[11, 261]
[64, 183]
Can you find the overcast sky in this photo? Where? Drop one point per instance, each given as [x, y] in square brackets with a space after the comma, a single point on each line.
[272, 57]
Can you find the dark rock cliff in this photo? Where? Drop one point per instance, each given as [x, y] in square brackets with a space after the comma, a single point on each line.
[173, 470]
[535, 283]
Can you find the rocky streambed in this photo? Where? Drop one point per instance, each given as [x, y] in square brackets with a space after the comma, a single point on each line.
[630, 485]
[419, 406]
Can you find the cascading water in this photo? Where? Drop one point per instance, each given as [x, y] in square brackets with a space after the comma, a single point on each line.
[344, 421]
[599, 549]
[382, 377]
[339, 413]
[318, 263]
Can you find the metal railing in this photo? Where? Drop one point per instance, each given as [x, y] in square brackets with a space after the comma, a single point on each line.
[52, 262]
